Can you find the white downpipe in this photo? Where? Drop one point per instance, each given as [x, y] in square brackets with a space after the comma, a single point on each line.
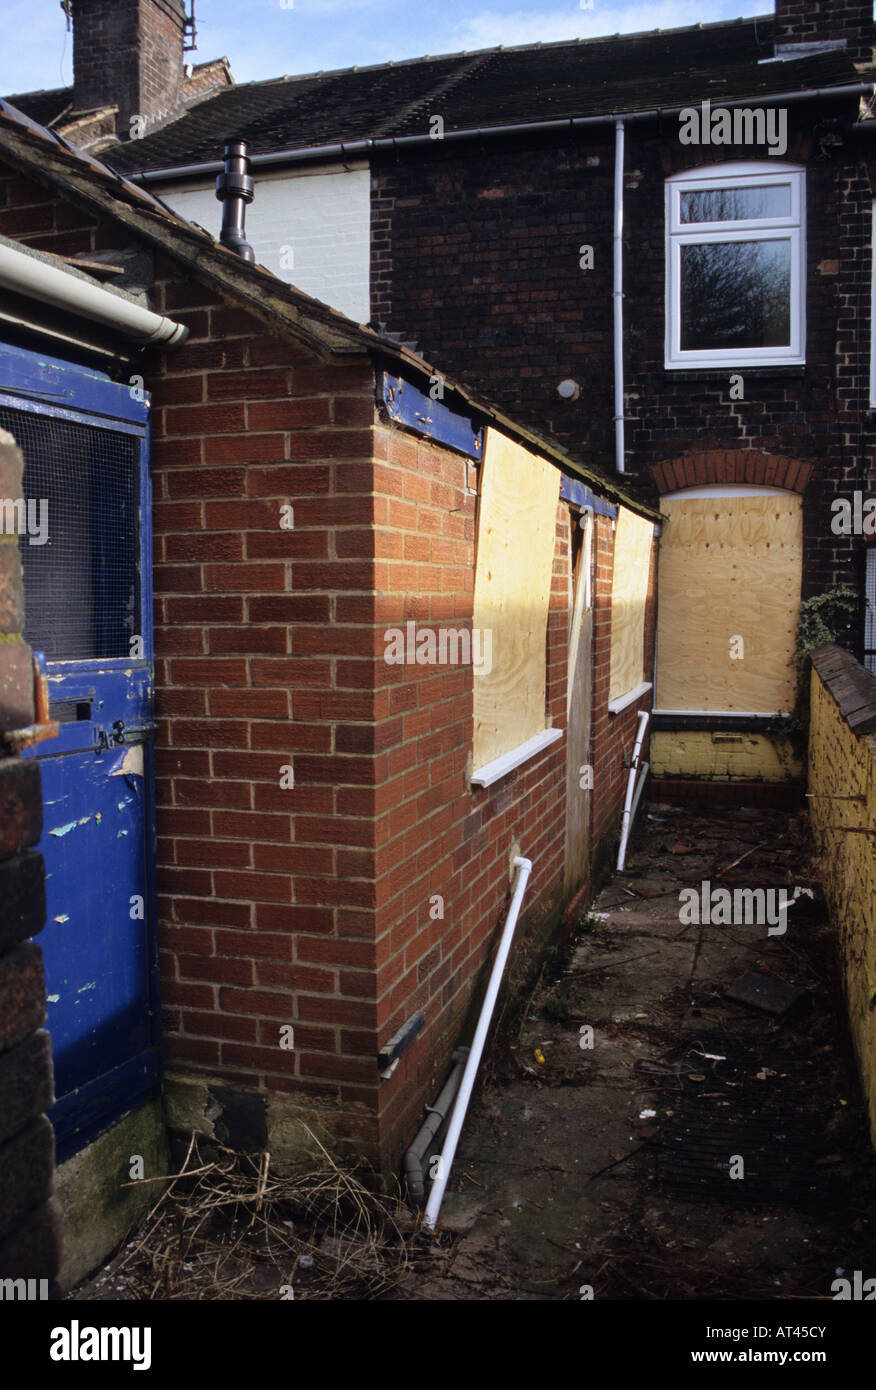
[31, 276]
[644, 716]
[524, 867]
[619, 295]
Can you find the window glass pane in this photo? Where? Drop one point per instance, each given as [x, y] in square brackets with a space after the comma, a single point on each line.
[736, 204]
[736, 294]
[82, 577]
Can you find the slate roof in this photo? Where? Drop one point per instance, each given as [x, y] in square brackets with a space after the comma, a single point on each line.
[498, 86]
[47, 106]
[44, 107]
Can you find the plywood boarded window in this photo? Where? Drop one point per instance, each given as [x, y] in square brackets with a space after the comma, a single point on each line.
[728, 596]
[629, 594]
[517, 517]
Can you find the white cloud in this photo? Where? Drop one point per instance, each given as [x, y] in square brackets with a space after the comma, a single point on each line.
[490, 28]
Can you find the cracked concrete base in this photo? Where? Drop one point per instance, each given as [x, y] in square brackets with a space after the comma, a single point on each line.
[556, 1184]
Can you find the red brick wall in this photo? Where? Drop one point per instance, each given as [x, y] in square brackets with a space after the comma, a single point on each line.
[309, 906]
[437, 836]
[266, 891]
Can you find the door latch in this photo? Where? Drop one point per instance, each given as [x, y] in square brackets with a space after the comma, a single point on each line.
[107, 738]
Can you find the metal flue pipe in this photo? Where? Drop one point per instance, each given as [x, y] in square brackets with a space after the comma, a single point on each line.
[524, 869]
[234, 189]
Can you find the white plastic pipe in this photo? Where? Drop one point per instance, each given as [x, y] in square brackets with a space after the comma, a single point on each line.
[37, 279]
[466, 1085]
[644, 716]
[618, 293]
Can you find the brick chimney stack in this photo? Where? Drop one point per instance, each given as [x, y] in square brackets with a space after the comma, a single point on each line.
[129, 53]
[811, 21]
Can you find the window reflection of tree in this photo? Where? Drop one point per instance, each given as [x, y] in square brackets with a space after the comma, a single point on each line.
[735, 204]
[736, 294]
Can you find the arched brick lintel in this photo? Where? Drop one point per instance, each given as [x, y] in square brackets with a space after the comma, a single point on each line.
[731, 466]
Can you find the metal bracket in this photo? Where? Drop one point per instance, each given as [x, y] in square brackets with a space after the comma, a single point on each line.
[43, 727]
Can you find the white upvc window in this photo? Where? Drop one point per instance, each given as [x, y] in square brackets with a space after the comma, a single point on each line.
[736, 266]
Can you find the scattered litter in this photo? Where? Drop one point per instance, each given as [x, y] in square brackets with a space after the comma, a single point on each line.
[647, 1114]
[765, 1073]
[539, 1056]
[306, 1261]
[52, 998]
[62, 917]
[766, 993]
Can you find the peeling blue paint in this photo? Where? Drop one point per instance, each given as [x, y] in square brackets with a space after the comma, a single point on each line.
[64, 829]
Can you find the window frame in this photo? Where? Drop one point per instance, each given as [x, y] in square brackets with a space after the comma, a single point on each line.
[678, 234]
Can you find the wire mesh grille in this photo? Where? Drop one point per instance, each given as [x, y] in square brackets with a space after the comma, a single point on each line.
[80, 547]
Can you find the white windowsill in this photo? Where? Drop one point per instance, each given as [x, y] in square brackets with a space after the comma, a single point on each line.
[622, 701]
[500, 767]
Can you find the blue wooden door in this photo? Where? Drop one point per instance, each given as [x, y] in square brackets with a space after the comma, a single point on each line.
[87, 582]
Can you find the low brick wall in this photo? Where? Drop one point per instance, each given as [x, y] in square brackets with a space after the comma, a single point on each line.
[842, 787]
[29, 1215]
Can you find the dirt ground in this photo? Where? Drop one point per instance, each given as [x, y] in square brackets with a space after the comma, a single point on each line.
[636, 1134]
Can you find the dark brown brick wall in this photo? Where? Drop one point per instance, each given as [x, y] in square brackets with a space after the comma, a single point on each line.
[476, 255]
[804, 21]
[129, 53]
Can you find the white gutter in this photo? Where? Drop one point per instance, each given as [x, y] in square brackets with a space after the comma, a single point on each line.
[618, 296]
[524, 868]
[627, 819]
[29, 274]
[357, 149]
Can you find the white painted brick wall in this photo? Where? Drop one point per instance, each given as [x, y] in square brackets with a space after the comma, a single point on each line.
[318, 221]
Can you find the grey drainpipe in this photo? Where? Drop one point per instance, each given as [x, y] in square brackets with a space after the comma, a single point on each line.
[415, 1175]
[360, 148]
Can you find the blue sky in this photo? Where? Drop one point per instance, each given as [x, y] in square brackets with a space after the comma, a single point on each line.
[267, 38]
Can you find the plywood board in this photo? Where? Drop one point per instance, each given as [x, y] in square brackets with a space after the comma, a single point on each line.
[729, 569]
[515, 551]
[629, 592]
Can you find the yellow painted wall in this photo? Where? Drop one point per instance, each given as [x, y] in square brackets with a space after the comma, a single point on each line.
[705, 753]
[843, 764]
